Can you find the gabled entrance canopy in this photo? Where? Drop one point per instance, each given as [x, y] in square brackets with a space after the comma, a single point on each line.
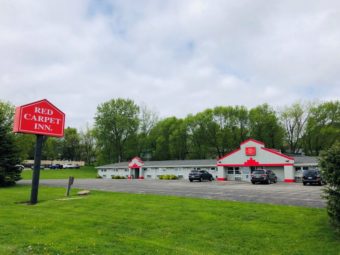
[136, 162]
[252, 153]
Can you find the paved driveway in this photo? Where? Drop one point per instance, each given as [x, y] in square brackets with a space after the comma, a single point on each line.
[279, 193]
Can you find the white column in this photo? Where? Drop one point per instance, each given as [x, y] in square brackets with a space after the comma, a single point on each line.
[141, 173]
[289, 174]
[130, 177]
[221, 173]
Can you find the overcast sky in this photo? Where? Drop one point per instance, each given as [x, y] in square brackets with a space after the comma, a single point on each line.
[177, 56]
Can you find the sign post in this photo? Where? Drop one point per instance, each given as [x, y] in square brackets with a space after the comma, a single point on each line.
[36, 170]
[43, 119]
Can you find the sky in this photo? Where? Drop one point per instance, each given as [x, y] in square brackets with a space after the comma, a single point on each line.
[176, 57]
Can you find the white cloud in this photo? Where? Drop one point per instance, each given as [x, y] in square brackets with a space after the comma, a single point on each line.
[178, 57]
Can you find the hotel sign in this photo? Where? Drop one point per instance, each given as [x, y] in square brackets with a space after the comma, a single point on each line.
[41, 118]
[250, 151]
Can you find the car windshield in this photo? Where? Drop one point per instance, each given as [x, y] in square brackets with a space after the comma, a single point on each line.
[310, 172]
[259, 172]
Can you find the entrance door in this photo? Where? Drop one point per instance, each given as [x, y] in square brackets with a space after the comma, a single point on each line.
[245, 171]
[136, 173]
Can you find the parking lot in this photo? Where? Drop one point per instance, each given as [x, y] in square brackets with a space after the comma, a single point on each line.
[279, 193]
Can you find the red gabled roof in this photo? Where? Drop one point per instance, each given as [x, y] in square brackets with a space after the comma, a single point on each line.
[227, 155]
[251, 140]
[277, 153]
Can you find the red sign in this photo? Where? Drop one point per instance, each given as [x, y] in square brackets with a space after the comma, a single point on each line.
[39, 117]
[250, 151]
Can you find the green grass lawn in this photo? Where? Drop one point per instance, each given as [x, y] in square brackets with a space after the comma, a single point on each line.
[83, 172]
[118, 223]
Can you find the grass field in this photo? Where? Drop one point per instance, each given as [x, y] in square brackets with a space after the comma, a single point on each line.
[117, 223]
[83, 172]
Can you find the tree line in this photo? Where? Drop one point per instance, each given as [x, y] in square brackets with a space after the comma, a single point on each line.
[122, 130]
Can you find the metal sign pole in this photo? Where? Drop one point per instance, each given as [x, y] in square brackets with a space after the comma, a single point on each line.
[36, 170]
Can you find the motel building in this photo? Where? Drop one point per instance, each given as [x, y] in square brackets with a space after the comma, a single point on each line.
[236, 166]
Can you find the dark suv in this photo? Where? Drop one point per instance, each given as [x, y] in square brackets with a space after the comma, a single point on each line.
[312, 176]
[200, 175]
[263, 176]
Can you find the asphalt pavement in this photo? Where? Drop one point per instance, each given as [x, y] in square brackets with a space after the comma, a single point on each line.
[280, 193]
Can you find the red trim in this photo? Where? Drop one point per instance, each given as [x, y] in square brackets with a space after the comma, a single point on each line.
[251, 140]
[289, 180]
[134, 166]
[141, 177]
[277, 153]
[221, 179]
[260, 164]
[129, 177]
[251, 162]
[227, 155]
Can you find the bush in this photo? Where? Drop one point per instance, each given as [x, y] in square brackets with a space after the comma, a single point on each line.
[168, 177]
[330, 167]
[117, 177]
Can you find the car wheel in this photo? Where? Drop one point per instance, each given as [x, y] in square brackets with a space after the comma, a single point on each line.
[253, 182]
[201, 179]
[211, 179]
[304, 184]
[190, 180]
[320, 183]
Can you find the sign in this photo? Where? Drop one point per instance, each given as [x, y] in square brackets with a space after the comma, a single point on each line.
[41, 118]
[250, 151]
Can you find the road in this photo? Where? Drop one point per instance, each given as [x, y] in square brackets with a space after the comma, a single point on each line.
[279, 193]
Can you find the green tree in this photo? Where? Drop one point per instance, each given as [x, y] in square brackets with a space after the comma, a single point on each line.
[116, 126]
[330, 166]
[9, 157]
[88, 146]
[166, 139]
[264, 126]
[70, 144]
[147, 121]
[294, 119]
[323, 127]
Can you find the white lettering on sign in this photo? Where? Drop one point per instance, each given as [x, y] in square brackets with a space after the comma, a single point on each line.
[43, 111]
[43, 127]
[43, 119]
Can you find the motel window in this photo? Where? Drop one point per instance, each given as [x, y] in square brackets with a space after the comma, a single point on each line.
[230, 171]
[297, 168]
[213, 169]
[230, 168]
[305, 168]
[237, 171]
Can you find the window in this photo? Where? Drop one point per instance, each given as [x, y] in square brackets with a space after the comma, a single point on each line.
[237, 171]
[230, 171]
[305, 168]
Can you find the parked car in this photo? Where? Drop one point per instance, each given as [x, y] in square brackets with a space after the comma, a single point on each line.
[263, 176]
[70, 166]
[312, 176]
[20, 167]
[55, 166]
[200, 175]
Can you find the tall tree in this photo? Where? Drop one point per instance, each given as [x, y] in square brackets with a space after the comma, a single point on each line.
[147, 121]
[294, 119]
[116, 122]
[88, 145]
[264, 126]
[70, 144]
[9, 157]
[323, 127]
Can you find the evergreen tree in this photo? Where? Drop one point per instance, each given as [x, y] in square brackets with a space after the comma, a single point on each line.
[9, 173]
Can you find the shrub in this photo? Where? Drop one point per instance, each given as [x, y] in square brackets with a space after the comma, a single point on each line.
[330, 167]
[168, 177]
[117, 177]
